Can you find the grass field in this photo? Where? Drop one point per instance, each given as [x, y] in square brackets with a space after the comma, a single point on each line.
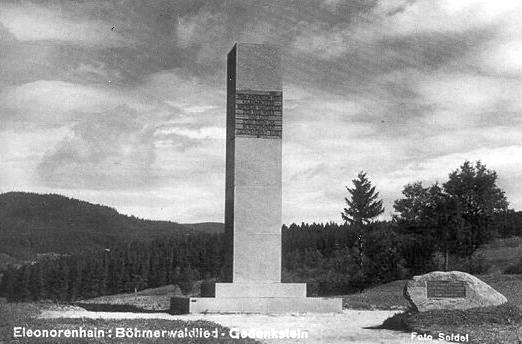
[24, 315]
[500, 254]
[387, 297]
[156, 299]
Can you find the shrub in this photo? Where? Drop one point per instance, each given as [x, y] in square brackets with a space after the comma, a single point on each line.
[514, 269]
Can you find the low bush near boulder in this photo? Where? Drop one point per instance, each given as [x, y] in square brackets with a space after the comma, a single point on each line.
[514, 269]
[495, 324]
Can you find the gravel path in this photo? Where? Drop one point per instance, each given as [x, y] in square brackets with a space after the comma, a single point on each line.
[347, 327]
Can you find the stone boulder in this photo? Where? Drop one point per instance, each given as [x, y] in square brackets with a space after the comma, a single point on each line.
[450, 290]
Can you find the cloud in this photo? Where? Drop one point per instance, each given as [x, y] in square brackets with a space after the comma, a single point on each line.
[470, 100]
[5, 35]
[54, 98]
[444, 16]
[194, 29]
[197, 134]
[504, 160]
[182, 138]
[20, 151]
[29, 22]
[373, 32]
[190, 93]
[58, 103]
[504, 58]
[185, 202]
[111, 150]
[325, 43]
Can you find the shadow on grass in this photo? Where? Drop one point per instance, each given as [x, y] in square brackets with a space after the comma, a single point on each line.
[103, 307]
[397, 322]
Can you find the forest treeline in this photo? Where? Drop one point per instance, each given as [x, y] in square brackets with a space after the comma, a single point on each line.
[323, 255]
[431, 225]
[179, 259]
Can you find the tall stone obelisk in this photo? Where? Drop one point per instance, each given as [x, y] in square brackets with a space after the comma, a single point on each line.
[253, 164]
[253, 195]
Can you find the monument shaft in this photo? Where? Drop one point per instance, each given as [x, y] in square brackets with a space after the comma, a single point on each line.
[253, 164]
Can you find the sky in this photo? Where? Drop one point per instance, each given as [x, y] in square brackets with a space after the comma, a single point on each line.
[122, 103]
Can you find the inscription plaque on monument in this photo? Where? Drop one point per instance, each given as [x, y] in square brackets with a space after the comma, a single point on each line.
[445, 289]
[259, 114]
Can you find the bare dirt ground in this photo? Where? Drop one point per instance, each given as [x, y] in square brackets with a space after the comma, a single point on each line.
[351, 326]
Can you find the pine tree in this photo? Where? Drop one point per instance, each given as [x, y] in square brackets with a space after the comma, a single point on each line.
[362, 207]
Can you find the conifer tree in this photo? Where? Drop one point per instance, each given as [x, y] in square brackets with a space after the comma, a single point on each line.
[362, 206]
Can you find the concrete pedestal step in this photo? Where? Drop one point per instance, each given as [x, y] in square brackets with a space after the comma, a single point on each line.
[236, 290]
[263, 305]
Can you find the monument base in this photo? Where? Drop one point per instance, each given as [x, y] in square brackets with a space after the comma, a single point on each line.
[259, 289]
[262, 305]
[264, 298]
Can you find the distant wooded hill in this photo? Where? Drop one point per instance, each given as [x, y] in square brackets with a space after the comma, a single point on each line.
[35, 223]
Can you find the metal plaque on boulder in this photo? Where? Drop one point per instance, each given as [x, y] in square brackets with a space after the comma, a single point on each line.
[445, 289]
[450, 290]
